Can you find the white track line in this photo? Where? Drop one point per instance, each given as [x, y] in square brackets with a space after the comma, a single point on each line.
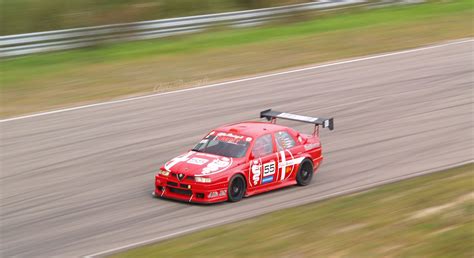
[295, 203]
[244, 80]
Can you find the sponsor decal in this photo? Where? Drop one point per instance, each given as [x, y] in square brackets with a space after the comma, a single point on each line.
[229, 137]
[178, 159]
[267, 179]
[282, 165]
[249, 139]
[298, 117]
[291, 162]
[255, 170]
[218, 165]
[287, 166]
[197, 161]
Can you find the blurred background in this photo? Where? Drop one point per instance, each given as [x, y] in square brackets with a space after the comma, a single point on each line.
[58, 53]
[22, 16]
[77, 182]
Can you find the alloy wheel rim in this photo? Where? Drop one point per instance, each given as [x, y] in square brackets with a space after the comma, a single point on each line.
[305, 174]
[236, 188]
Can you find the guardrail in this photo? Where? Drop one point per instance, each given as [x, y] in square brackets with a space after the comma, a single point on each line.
[23, 44]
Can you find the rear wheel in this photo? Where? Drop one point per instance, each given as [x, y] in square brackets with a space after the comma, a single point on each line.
[305, 173]
[237, 188]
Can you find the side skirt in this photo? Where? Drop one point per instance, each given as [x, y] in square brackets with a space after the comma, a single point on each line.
[270, 188]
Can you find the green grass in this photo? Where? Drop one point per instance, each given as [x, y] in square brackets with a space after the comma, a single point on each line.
[428, 216]
[52, 80]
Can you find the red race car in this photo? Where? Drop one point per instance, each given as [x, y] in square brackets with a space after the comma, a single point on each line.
[244, 159]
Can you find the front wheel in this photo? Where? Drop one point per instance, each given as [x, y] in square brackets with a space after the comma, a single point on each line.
[236, 189]
[305, 173]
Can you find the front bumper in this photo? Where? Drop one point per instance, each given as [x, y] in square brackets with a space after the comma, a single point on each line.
[189, 191]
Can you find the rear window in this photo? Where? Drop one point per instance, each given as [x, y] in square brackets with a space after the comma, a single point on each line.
[284, 140]
[224, 144]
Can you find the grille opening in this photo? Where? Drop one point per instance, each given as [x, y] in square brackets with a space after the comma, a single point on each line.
[181, 191]
[173, 184]
[183, 186]
[200, 195]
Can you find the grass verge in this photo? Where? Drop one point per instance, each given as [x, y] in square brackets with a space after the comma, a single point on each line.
[53, 80]
[427, 216]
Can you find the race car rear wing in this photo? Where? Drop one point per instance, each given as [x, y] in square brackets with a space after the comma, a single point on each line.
[317, 121]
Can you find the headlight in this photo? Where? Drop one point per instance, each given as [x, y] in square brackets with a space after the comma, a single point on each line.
[164, 173]
[202, 179]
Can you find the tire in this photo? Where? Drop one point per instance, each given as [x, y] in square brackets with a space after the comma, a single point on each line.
[305, 173]
[236, 189]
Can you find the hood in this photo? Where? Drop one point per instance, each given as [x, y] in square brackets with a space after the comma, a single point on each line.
[197, 163]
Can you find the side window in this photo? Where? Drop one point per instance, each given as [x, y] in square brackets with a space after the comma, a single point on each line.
[284, 140]
[263, 146]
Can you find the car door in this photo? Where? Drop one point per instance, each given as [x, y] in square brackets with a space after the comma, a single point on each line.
[263, 165]
[287, 155]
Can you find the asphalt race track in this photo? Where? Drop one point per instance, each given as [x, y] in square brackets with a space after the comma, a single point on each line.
[79, 182]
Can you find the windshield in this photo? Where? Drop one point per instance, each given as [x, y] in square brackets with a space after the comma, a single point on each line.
[224, 144]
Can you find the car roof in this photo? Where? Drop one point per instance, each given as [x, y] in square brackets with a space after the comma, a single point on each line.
[251, 128]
